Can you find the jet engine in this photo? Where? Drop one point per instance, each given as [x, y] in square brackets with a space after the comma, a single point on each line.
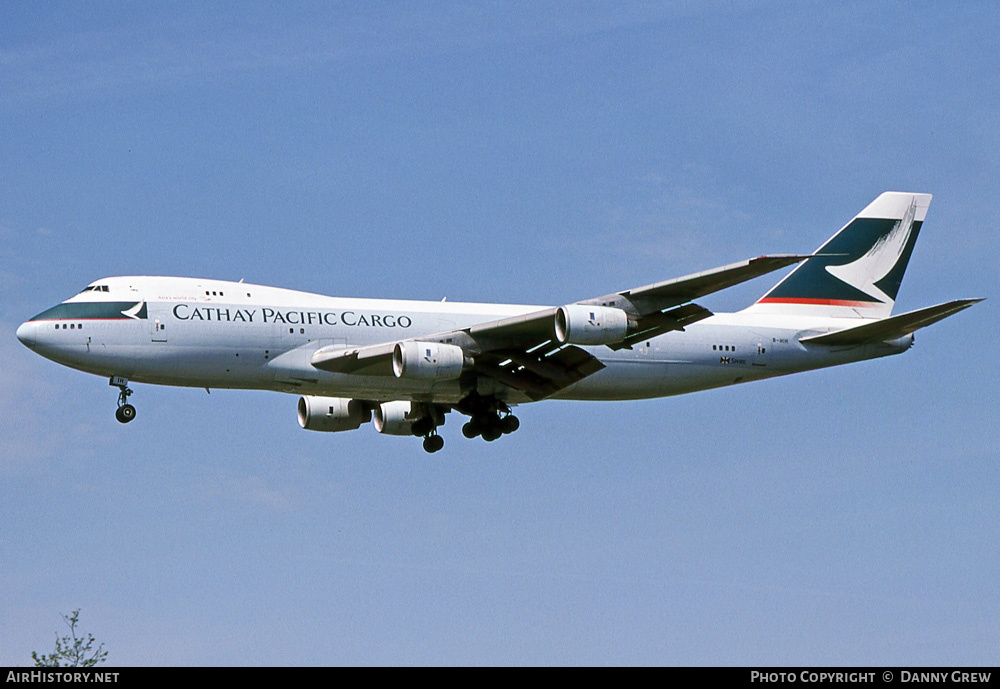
[396, 418]
[409, 418]
[427, 361]
[583, 324]
[331, 414]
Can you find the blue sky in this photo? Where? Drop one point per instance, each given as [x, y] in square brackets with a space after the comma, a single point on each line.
[533, 153]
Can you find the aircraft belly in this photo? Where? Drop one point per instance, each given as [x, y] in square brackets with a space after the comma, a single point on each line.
[621, 379]
[643, 380]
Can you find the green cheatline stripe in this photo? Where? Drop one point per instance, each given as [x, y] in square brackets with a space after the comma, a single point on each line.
[91, 310]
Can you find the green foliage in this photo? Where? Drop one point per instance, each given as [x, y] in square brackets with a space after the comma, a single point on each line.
[72, 650]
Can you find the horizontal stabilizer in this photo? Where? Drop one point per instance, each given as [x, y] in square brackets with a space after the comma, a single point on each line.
[893, 328]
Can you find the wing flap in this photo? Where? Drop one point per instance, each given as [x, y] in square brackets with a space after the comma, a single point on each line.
[892, 328]
[540, 373]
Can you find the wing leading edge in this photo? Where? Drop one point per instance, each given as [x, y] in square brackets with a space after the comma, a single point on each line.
[659, 296]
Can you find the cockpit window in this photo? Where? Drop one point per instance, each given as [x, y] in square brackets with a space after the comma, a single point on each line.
[95, 288]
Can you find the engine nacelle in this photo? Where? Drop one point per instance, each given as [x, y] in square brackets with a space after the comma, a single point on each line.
[427, 361]
[582, 324]
[332, 414]
[396, 418]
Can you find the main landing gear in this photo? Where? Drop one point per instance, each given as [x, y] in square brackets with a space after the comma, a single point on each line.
[125, 412]
[433, 443]
[426, 428]
[491, 418]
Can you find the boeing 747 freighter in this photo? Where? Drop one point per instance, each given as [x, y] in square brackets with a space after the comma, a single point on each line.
[406, 364]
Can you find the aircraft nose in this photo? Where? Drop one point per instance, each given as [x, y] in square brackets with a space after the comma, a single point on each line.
[26, 333]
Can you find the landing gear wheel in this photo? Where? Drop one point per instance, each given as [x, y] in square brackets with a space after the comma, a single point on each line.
[125, 413]
[490, 417]
[491, 434]
[433, 443]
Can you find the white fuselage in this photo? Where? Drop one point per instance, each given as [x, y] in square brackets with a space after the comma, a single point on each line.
[216, 334]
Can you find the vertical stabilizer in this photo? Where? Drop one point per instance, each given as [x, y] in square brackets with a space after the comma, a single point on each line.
[857, 272]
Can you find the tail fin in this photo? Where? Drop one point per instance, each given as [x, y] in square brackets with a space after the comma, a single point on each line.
[857, 272]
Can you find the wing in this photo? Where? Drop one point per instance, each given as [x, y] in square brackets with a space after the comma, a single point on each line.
[539, 353]
[663, 295]
[520, 352]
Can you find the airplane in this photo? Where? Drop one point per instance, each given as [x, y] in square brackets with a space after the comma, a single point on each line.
[406, 364]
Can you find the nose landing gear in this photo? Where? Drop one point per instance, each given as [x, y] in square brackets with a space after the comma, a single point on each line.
[125, 412]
